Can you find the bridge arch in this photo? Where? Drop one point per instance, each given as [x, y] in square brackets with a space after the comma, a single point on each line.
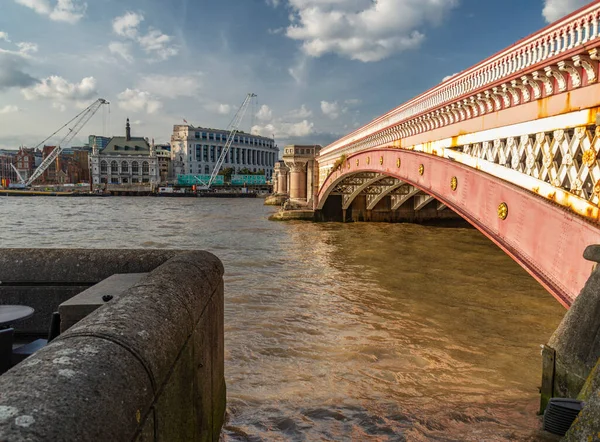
[544, 238]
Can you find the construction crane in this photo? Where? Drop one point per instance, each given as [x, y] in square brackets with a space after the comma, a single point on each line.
[80, 120]
[233, 130]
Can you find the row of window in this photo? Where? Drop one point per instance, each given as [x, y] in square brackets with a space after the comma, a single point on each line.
[114, 167]
[208, 170]
[236, 155]
[241, 139]
[124, 180]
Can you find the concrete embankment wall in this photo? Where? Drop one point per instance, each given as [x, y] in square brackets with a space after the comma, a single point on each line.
[149, 366]
[44, 278]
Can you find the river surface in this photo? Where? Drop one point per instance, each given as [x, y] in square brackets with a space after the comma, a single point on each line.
[366, 332]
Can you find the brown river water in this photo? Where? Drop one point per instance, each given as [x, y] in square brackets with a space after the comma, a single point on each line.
[366, 332]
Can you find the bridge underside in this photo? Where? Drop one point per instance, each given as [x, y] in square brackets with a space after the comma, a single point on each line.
[544, 239]
[377, 197]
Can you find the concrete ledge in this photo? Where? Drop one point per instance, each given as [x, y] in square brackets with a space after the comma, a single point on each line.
[290, 215]
[44, 278]
[149, 366]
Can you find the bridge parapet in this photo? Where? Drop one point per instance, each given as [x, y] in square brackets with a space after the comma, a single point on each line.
[559, 58]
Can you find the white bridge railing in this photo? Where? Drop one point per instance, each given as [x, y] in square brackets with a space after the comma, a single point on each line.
[573, 33]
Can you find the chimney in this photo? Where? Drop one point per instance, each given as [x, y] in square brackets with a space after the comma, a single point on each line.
[128, 131]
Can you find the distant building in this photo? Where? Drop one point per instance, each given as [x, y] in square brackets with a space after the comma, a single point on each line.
[26, 161]
[7, 173]
[165, 169]
[195, 150]
[99, 141]
[124, 160]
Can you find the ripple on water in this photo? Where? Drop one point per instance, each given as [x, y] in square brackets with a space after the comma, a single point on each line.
[339, 332]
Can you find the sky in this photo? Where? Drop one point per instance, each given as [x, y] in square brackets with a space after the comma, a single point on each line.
[320, 68]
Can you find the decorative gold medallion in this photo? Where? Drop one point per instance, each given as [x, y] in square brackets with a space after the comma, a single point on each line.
[398, 162]
[597, 188]
[454, 183]
[357, 162]
[502, 211]
[589, 157]
[381, 159]
[368, 160]
[421, 169]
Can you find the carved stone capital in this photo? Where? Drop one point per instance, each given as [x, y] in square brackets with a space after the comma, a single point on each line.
[574, 72]
[589, 65]
[553, 71]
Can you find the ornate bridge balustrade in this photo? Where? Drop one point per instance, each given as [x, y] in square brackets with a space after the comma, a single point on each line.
[562, 57]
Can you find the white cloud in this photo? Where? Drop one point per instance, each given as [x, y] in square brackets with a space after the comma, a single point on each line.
[555, 9]
[27, 48]
[303, 112]
[70, 11]
[362, 30]
[273, 3]
[9, 109]
[154, 42]
[284, 130]
[134, 100]
[127, 24]
[59, 106]
[58, 88]
[264, 113]
[123, 50]
[4, 36]
[332, 110]
[223, 109]
[39, 6]
[157, 43]
[448, 77]
[171, 86]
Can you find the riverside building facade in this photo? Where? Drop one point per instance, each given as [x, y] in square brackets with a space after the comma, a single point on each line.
[125, 160]
[195, 150]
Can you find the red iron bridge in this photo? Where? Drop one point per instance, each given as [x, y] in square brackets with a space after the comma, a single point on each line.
[511, 145]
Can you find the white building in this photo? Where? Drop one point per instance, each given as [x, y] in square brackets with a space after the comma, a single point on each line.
[195, 150]
[125, 160]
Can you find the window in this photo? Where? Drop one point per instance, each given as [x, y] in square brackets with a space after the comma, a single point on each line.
[124, 167]
[211, 136]
[103, 167]
[198, 152]
[205, 152]
[212, 153]
[204, 135]
[197, 136]
[206, 170]
[135, 168]
[114, 167]
[145, 168]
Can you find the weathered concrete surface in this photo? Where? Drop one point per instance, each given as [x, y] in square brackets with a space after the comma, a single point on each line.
[290, 215]
[78, 307]
[44, 278]
[576, 340]
[78, 389]
[168, 334]
[275, 200]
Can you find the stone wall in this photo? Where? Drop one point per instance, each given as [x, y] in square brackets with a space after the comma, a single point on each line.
[44, 278]
[149, 366]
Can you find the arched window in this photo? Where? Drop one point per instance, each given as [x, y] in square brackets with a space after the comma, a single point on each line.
[114, 167]
[135, 170]
[103, 167]
[124, 167]
[206, 170]
[145, 168]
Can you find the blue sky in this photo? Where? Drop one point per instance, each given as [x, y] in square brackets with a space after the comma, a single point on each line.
[321, 68]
